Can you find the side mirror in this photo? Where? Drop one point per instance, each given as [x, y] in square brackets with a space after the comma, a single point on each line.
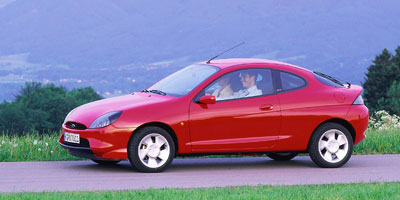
[208, 99]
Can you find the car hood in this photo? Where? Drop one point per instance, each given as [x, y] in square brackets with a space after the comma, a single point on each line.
[87, 113]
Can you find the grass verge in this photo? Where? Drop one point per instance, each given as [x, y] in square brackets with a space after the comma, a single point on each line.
[337, 191]
[379, 142]
[33, 147]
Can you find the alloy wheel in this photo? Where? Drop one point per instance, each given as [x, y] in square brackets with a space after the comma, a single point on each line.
[333, 146]
[154, 150]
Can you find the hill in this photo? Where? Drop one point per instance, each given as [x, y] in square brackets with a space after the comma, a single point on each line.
[121, 46]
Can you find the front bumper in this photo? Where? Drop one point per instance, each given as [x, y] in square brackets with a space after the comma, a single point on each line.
[108, 143]
[83, 152]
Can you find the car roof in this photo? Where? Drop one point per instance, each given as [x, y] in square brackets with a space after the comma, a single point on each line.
[225, 63]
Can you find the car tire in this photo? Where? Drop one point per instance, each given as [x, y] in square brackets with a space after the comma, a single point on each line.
[282, 156]
[106, 162]
[151, 149]
[331, 145]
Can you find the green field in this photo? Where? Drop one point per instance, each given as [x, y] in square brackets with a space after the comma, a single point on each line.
[33, 147]
[338, 191]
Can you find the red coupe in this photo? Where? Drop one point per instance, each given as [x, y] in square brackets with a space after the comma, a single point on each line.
[228, 106]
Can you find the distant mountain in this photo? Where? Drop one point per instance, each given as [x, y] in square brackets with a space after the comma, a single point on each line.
[125, 45]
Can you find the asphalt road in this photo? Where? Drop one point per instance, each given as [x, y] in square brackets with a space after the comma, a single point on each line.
[192, 173]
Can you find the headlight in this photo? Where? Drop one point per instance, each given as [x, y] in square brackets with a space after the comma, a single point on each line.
[359, 101]
[106, 119]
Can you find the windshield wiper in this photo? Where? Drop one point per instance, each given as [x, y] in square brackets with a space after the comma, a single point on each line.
[155, 92]
[329, 78]
[158, 92]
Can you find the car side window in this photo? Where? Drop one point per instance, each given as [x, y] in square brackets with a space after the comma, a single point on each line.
[290, 81]
[241, 84]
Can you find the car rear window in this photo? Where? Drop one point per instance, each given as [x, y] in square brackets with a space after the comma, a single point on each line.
[327, 80]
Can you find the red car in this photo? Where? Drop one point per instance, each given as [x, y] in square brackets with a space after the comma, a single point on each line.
[228, 106]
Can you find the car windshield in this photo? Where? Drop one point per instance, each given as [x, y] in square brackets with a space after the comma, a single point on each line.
[183, 81]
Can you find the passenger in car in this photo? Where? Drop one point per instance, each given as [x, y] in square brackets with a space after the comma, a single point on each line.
[248, 80]
[225, 91]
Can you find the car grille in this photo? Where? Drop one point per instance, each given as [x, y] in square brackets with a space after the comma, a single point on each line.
[82, 143]
[74, 125]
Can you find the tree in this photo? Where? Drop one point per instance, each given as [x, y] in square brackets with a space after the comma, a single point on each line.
[393, 98]
[84, 95]
[379, 78]
[42, 107]
[30, 87]
[12, 117]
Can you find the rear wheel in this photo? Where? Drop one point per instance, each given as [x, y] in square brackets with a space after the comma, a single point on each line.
[151, 149]
[106, 162]
[331, 145]
[282, 156]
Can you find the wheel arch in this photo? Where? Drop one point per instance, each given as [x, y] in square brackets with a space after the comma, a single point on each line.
[342, 122]
[163, 126]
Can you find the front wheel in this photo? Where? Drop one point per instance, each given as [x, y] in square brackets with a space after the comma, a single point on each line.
[151, 149]
[331, 145]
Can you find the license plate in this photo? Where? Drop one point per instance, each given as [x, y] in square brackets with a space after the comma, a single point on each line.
[70, 137]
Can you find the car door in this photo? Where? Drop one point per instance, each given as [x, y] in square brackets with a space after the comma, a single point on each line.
[236, 123]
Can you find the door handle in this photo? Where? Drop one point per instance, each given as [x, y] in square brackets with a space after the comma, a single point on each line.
[266, 107]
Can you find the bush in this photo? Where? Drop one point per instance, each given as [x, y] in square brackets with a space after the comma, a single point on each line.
[382, 120]
[42, 107]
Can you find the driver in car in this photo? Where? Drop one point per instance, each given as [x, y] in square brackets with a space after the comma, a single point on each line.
[248, 80]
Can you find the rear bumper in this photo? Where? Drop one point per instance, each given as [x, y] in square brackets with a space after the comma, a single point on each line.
[358, 116]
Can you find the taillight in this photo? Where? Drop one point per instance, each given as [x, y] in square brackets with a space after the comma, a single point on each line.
[359, 101]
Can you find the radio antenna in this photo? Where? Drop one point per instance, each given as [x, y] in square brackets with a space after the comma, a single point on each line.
[224, 52]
